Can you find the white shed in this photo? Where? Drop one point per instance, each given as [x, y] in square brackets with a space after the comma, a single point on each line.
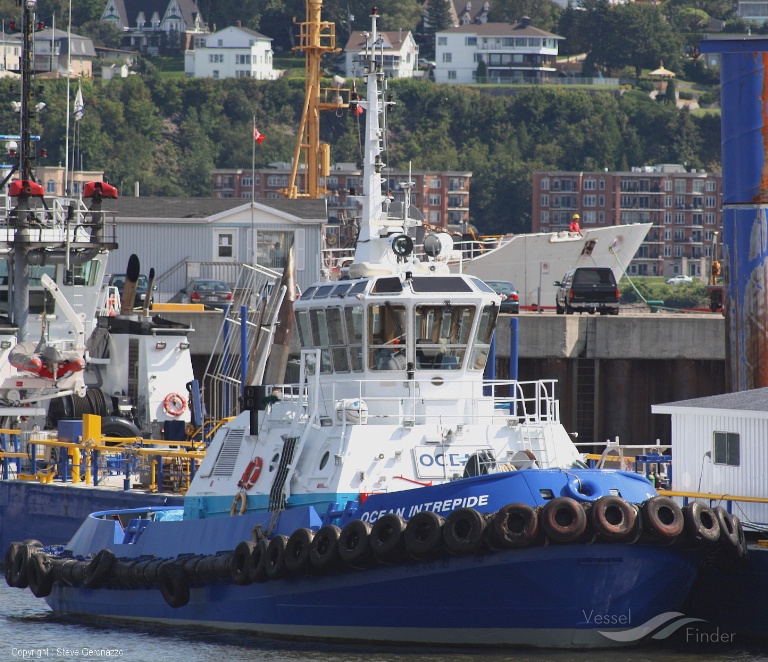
[720, 446]
[169, 233]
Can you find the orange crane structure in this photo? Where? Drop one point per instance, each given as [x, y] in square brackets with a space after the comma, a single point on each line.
[316, 38]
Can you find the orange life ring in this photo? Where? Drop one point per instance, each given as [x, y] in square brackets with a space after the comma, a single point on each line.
[174, 404]
[251, 474]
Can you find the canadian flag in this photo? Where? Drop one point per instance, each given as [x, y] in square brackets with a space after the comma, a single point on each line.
[258, 137]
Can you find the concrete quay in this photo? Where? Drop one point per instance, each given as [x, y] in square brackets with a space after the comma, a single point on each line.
[610, 369]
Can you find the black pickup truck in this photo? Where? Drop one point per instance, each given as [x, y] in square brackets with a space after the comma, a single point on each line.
[588, 289]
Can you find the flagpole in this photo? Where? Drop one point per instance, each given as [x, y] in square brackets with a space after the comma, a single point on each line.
[253, 192]
[69, 70]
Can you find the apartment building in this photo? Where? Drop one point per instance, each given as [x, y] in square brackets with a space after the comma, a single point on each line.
[442, 198]
[683, 205]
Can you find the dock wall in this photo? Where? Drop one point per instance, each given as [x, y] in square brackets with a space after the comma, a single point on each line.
[610, 369]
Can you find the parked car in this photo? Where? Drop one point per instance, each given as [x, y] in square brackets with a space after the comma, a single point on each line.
[213, 293]
[680, 278]
[510, 299]
[142, 287]
[588, 289]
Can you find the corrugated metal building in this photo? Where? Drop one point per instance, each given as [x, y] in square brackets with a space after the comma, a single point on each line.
[720, 446]
[183, 238]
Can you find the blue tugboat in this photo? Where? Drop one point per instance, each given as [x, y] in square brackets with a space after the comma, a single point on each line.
[392, 494]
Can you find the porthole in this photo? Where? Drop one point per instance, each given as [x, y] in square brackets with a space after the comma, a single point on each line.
[273, 463]
[324, 460]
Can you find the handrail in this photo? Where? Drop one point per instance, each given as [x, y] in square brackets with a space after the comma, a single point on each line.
[712, 497]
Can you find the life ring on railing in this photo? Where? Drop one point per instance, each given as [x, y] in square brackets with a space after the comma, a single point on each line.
[251, 474]
[242, 499]
[174, 404]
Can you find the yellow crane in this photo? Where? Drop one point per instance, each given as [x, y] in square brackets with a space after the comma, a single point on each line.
[316, 38]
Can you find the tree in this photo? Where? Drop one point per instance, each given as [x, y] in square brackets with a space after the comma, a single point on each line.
[639, 36]
[482, 72]
[544, 14]
[437, 18]
[671, 92]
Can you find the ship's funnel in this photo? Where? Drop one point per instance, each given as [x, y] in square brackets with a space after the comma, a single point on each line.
[744, 101]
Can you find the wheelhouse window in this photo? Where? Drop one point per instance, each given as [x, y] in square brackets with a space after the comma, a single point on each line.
[481, 348]
[727, 448]
[387, 338]
[443, 333]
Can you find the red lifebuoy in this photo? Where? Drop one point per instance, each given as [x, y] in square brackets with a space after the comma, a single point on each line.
[251, 474]
[174, 404]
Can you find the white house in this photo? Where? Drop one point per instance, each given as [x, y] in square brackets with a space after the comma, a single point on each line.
[510, 52]
[168, 234]
[234, 52]
[720, 447]
[150, 25]
[401, 53]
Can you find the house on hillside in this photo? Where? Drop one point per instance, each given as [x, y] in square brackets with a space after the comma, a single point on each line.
[719, 447]
[401, 53]
[55, 53]
[152, 26]
[234, 52]
[511, 53]
[215, 236]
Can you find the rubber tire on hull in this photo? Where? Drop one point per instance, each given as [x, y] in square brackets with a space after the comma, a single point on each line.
[424, 535]
[324, 551]
[10, 555]
[40, 575]
[20, 565]
[355, 544]
[730, 537]
[701, 525]
[464, 531]
[515, 525]
[276, 557]
[564, 520]
[297, 550]
[241, 562]
[173, 584]
[257, 568]
[662, 519]
[99, 568]
[387, 538]
[612, 519]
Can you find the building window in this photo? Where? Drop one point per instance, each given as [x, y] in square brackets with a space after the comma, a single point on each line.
[589, 200]
[678, 251]
[451, 75]
[442, 41]
[697, 218]
[726, 448]
[434, 217]
[711, 185]
[590, 185]
[434, 200]
[667, 200]
[667, 234]
[709, 218]
[679, 218]
[589, 217]
[544, 200]
[544, 217]
[215, 73]
[602, 184]
[667, 185]
[667, 251]
[225, 245]
[50, 186]
[447, 57]
[667, 217]
[601, 217]
[698, 185]
[545, 183]
[709, 201]
[246, 181]
[471, 41]
[434, 183]
[601, 201]
[679, 186]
